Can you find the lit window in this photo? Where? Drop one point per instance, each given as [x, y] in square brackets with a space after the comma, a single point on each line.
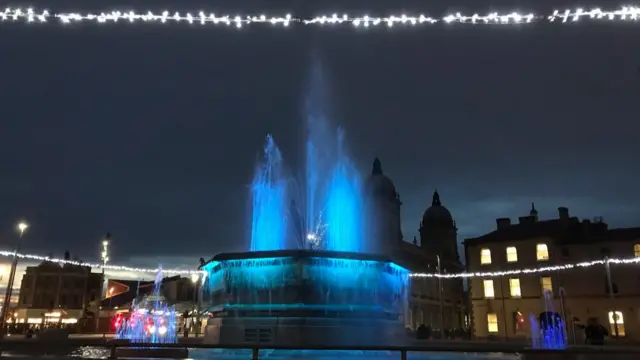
[542, 252]
[512, 254]
[636, 250]
[620, 322]
[547, 285]
[485, 256]
[488, 289]
[492, 322]
[514, 288]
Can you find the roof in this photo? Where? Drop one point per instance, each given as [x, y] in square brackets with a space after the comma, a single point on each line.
[625, 234]
[568, 231]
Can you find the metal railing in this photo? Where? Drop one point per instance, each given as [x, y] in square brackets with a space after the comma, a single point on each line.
[401, 350]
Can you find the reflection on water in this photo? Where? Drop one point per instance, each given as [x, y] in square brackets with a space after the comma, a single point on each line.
[90, 352]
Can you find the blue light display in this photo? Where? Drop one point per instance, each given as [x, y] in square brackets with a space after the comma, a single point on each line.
[344, 206]
[309, 280]
[268, 192]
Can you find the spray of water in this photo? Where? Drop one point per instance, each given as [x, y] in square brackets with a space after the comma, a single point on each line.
[548, 330]
[151, 320]
[324, 210]
[333, 198]
[269, 195]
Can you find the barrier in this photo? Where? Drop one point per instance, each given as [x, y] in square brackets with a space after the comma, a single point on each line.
[525, 353]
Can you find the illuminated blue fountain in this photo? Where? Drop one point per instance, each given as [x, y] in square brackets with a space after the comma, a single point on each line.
[304, 297]
[310, 278]
[150, 321]
[324, 210]
[268, 192]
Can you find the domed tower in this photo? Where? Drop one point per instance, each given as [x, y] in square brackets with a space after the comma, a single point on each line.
[438, 232]
[382, 211]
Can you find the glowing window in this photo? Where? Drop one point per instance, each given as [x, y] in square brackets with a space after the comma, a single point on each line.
[492, 322]
[636, 250]
[488, 289]
[512, 254]
[547, 285]
[620, 322]
[485, 256]
[542, 252]
[514, 288]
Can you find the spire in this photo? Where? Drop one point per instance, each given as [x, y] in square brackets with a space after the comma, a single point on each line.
[436, 199]
[533, 211]
[377, 167]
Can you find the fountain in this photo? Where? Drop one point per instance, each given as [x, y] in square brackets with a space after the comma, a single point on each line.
[307, 279]
[268, 192]
[548, 329]
[150, 321]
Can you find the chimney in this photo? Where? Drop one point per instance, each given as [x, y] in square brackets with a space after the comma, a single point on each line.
[503, 223]
[563, 213]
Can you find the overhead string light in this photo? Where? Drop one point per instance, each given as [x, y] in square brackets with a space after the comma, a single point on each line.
[585, 264]
[100, 265]
[32, 16]
[544, 269]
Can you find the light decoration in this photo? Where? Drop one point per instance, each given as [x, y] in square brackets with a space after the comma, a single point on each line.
[32, 16]
[203, 273]
[100, 265]
[544, 269]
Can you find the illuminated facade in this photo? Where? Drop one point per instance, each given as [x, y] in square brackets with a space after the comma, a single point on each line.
[502, 306]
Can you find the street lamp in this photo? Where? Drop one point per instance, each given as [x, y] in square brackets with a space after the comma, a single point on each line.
[195, 277]
[22, 227]
[104, 257]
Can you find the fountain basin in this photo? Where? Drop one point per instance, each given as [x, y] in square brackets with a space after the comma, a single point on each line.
[298, 297]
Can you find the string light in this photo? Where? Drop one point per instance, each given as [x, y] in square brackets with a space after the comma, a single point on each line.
[100, 265]
[32, 16]
[584, 264]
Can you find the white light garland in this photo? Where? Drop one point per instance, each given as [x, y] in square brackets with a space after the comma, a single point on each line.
[584, 264]
[32, 16]
[99, 265]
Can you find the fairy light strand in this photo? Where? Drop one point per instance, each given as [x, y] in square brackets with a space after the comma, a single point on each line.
[544, 269]
[100, 265]
[627, 13]
[584, 264]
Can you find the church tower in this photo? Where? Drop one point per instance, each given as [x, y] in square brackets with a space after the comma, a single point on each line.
[438, 232]
[382, 211]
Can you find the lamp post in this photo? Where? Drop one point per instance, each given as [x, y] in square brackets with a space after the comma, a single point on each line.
[196, 278]
[22, 227]
[104, 257]
[441, 300]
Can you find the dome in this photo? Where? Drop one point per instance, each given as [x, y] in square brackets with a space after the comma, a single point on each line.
[437, 214]
[378, 183]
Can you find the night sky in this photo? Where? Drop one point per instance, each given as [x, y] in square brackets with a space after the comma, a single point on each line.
[151, 132]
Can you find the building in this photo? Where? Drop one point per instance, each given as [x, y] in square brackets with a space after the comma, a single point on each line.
[505, 307]
[438, 245]
[52, 294]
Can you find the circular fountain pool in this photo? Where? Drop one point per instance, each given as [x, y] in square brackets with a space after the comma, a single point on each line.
[304, 298]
